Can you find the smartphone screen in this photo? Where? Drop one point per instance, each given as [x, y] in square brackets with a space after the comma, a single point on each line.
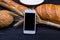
[29, 21]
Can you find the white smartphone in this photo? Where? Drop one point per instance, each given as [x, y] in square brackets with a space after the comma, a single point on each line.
[29, 22]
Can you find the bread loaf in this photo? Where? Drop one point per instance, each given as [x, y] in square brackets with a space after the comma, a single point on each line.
[5, 18]
[49, 12]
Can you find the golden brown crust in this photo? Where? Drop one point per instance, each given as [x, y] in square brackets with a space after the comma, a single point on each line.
[16, 5]
[5, 18]
[50, 12]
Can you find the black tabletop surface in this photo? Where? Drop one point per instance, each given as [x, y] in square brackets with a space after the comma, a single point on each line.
[44, 32]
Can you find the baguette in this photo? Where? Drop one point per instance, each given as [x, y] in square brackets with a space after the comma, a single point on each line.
[49, 12]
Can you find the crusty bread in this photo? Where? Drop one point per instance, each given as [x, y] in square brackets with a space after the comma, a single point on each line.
[49, 12]
[5, 18]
